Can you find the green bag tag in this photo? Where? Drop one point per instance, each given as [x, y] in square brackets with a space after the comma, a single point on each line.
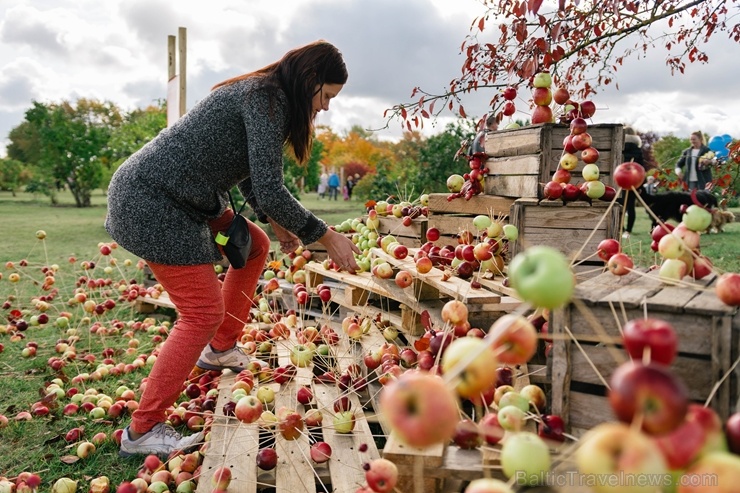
[222, 239]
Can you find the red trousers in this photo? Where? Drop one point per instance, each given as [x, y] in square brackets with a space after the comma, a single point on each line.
[208, 312]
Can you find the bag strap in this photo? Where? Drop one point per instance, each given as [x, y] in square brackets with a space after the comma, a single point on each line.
[233, 205]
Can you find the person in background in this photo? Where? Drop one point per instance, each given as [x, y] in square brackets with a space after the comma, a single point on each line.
[350, 184]
[233, 137]
[323, 184]
[632, 152]
[491, 123]
[690, 167]
[333, 185]
[651, 187]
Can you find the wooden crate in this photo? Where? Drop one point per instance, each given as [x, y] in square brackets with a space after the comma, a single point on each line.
[708, 332]
[575, 228]
[452, 217]
[412, 236]
[522, 160]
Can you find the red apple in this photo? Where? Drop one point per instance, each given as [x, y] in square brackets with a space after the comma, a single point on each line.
[420, 408]
[552, 190]
[382, 475]
[248, 409]
[509, 108]
[490, 429]
[560, 95]
[732, 430]
[651, 393]
[403, 278]
[267, 459]
[551, 427]
[542, 96]
[304, 395]
[509, 93]
[608, 248]
[467, 435]
[629, 175]
[589, 155]
[728, 288]
[620, 264]
[433, 234]
[655, 335]
[541, 114]
[581, 141]
[568, 145]
[513, 339]
[699, 434]
[587, 109]
[562, 176]
[320, 452]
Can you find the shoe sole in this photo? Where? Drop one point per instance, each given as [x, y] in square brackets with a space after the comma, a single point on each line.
[206, 366]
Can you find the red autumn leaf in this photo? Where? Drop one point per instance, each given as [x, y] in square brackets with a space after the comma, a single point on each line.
[481, 23]
[421, 344]
[426, 320]
[370, 203]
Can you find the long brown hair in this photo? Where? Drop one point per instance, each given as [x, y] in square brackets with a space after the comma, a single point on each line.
[297, 73]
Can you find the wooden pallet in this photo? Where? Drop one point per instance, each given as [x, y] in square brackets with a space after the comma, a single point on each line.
[708, 332]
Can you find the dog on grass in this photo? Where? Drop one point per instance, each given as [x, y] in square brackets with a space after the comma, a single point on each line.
[667, 205]
[720, 217]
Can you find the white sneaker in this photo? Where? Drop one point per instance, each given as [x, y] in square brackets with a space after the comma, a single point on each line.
[234, 359]
[626, 235]
[161, 440]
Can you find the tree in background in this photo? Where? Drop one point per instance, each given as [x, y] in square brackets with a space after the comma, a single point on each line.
[299, 177]
[13, 175]
[73, 145]
[581, 43]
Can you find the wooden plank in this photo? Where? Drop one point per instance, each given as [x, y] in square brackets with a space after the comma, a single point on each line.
[452, 225]
[692, 371]
[512, 185]
[345, 463]
[394, 226]
[515, 142]
[294, 471]
[559, 365]
[604, 163]
[163, 301]
[587, 411]
[565, 217]
[515, 165]
[569, 242]
[593, 290]
[673, 298]
[412, 463]
[478, 204]
[232, 444]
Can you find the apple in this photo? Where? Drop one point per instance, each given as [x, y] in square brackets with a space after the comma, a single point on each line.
[542, 96]
[651, 334]
[609, 193]
[616, 449]
[535, 396]
[468, 361]
[571, 193]
[432, 234]
[607, 248]
[581, 141]
[568, 161]
[541, 275]
[649, 392]
[728, 288]
[702, 267]
[511, 418]
[552, 190]
[381, 475]
[672, 271]
[541, 114]
[620, 264]
[671, 247]
[344, 422]
[718, 472]
[267, 459]
[699, 434]
[85, 449]
[551, 428]
[525, 458]
[487, 485]
[568, 144]
[420, 408]
[589, 155]
[454, 312]
[266, 394]
[594, 189]
[509, 108]
[629, 175]
[313, 418]
[383, 270]
[290, 424]
[732, 430]
[304, 395]
[509, 93]
[511, 232]
[542, 79]
[513, 339]
[320, 452]
[301, 355]
[490, 429]
[467, 435]
[454, 184]
[248, 409]
[590, 172]
[697, 218]
[404, 279]
[587, 109]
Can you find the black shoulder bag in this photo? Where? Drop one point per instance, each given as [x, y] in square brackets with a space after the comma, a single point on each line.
[236, 241]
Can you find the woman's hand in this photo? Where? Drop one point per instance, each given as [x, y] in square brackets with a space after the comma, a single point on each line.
[288, 241]
[341, 250]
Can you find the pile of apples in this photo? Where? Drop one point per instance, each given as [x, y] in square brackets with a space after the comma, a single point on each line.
[406, 210]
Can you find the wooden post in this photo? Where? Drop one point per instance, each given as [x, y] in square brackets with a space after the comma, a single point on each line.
[171, 56]
[182, 34]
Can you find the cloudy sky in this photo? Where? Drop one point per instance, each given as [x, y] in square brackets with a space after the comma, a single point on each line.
[116, 50]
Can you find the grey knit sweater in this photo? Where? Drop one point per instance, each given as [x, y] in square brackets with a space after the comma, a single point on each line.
[161, 199]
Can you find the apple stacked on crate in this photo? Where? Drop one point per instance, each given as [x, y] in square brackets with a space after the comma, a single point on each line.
[407, 231]
[451, 217]
[587, 338]
[522, 160]
[574, 228]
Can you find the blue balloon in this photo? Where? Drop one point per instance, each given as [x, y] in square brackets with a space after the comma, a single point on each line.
[726, 139]
[722, 153]
[716, 144]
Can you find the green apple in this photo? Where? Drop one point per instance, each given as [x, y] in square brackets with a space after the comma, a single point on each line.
[481, 222]
[472, 358]
[455, 183]
[697, 218]
[265, 394]
[525, 458]
[511, 232]
[595, 189]
[542, 79]
[568, 161]
[301, 355]
[387, 240]
[424, 199]
[541, 275]
[590, 172]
